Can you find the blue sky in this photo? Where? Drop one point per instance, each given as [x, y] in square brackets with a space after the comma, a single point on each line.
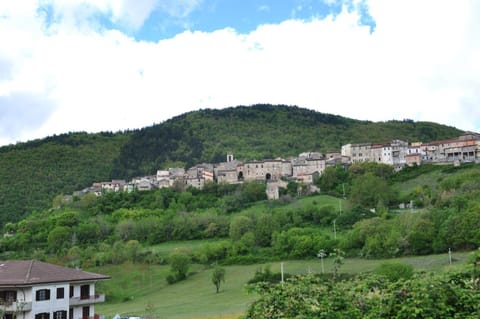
[108, 65]
[242, 15]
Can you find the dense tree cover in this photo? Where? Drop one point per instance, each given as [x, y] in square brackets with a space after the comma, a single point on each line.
[257, 132]
[454, 295]
[449, 218]
[34, 173]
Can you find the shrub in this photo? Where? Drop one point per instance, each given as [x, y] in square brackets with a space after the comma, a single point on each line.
[395, 271]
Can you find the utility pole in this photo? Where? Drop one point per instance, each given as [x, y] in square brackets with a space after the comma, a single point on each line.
[450, 256]
[334, 229]
[281, 270]
[321, 254]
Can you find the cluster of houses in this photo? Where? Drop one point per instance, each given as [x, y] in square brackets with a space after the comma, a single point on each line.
[465, 148]
[306, 167]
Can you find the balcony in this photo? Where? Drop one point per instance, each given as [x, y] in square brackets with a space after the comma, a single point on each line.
[16, 306]
[87, 300]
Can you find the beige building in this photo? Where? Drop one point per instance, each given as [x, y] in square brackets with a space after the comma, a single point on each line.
[265, 170]
[357, 152]
[464, 148]
[391, 153]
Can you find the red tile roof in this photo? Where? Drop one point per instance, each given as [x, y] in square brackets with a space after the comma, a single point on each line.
[30, 272]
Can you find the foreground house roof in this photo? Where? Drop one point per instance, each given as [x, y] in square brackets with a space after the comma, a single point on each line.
[30, 272]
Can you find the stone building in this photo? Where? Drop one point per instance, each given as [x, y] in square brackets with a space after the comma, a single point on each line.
[308, 164]
[265, 170]
[465, 148]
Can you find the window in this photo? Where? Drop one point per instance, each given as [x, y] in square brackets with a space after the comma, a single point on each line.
[60, 293]
[84, 291]
[8, 295]
[62, 314]
[42, 315]
[71, 291]
[85, 312]
[43, 294]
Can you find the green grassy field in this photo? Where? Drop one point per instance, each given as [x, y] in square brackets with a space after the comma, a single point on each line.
[142, 289]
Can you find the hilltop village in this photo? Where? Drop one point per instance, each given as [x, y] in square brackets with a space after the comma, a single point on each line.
[305, 168]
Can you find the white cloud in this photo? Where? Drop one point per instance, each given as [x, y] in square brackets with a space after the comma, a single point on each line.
[128, 14]
[179, 9]
[421, 63]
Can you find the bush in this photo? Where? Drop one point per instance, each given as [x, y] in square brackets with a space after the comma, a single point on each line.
[424, 296]
[171, 279]
[395, 271]
[179, 264]
[266, 275]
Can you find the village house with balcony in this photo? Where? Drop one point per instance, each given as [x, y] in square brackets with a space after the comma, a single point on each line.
[32, 289]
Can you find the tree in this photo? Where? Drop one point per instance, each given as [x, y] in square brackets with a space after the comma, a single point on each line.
[218, 276]
[88, 201]
[59, 237]
[338, 261]
[179, 265]
[368, 190]
[239, 226]
[265, 225]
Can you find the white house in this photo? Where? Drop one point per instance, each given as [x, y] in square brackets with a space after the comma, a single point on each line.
[32, 289]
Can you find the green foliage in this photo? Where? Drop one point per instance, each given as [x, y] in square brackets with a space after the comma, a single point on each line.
[179, 265]
[338, 260]
[368, 190]
[265, 274]
[239, 226]
[59, 237]
[256, 132]
[35, 172]
[395, 271]
[218, 276]
[300, 243]
[423, 296]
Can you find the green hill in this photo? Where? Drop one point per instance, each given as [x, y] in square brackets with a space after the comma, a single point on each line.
[258, 132]
[33, 173]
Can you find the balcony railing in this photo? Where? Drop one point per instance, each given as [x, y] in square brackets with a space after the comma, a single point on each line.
[87, 300]
[95, 316]
[15, 306]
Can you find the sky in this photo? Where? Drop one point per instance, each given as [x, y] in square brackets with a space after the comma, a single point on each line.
[113, 65]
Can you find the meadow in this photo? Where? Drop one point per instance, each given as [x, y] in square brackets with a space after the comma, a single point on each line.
[141, 289]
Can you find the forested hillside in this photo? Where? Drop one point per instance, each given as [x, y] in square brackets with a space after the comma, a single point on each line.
[258, 132]
[33, 173]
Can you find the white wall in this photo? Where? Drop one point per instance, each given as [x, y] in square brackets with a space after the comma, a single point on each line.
[53, 304]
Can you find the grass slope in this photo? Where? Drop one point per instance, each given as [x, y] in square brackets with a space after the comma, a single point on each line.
[145, 287]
